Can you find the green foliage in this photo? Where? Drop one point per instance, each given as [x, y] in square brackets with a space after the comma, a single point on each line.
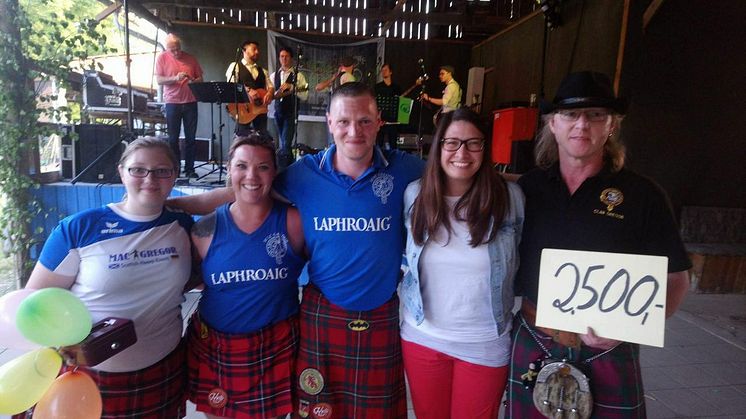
[38, 41]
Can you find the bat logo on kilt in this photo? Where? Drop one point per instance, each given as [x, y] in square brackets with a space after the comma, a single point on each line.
[358, 325]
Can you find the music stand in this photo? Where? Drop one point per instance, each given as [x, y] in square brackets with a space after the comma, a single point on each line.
[219, 92]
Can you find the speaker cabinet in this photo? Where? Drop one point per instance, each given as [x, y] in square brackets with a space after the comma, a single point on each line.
[522, 156]
[94, 141]
[475, 87]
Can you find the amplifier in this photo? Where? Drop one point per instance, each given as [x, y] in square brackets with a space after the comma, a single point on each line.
[409, 141]
[102, 94]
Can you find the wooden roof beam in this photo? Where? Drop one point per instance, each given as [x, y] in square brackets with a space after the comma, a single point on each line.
[372, 14]
[138, 9]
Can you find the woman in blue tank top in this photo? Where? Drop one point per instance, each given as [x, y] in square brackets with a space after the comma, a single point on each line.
[242, 341]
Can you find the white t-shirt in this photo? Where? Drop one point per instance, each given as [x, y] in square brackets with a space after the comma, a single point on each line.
[457, 300]
[127, 266]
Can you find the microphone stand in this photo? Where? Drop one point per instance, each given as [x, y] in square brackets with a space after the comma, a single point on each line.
[420, 140]
[234, 79]
[294, 96]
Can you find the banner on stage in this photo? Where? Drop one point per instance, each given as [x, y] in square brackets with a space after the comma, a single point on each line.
[321, 61]
[620, 296]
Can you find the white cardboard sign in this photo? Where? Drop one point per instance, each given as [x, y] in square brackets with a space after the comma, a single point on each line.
[620, 296]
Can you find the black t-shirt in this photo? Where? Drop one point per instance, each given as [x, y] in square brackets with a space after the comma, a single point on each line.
[619, 212]
[391, 90]
[387, 98]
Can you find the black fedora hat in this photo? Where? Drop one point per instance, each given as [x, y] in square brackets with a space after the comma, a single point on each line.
[585, 89]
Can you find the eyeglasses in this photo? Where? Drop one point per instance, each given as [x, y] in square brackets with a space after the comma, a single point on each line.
[143, 172]
[453, 144]
[593, 115]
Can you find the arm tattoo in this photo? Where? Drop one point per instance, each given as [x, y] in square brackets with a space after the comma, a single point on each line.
[205, 227]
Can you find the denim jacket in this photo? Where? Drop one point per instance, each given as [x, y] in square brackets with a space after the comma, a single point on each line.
[503, 251]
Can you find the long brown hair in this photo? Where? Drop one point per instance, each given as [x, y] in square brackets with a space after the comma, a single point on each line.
[485, 202]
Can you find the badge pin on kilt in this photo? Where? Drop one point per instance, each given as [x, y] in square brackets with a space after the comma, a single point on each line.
[217, 398]
[311, 381]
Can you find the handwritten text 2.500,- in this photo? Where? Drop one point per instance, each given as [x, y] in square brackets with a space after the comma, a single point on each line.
[625, 297]
[620, 296]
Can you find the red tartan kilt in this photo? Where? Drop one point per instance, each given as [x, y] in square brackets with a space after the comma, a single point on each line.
[615, 378]
[361, 371]
[242, 376]
[155, 392]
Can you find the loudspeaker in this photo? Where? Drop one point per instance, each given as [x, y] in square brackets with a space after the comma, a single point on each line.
[475, 87]
[522, 156]
[93, 141]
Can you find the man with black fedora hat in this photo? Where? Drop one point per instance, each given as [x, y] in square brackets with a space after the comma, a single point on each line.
[580, 197]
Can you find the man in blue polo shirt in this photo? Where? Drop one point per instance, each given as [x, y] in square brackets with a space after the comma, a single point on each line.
[351, 202]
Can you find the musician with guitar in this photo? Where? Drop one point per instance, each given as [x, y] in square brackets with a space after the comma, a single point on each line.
[387, 89]
[290, 85]
[253, 114]
[451, 99]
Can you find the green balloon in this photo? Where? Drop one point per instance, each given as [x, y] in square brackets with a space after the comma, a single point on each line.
[53, 317]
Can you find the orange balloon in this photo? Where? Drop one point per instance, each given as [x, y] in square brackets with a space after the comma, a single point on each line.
[73, 395]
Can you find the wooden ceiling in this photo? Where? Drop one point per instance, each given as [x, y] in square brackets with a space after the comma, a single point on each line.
[468, 21]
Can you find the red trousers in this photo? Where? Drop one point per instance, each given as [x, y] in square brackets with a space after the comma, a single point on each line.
[446, 387]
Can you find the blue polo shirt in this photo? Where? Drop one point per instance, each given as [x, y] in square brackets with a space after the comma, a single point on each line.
[353, 227]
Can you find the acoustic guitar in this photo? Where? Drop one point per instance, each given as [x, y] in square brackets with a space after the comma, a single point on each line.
[244, 113]
[418, 82]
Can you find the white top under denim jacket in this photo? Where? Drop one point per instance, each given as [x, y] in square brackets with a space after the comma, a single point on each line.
[503, 251]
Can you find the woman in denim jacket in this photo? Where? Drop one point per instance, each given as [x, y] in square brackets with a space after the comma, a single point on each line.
[463, 228]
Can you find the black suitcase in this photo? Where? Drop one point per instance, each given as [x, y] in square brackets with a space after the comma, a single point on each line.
[108, 337]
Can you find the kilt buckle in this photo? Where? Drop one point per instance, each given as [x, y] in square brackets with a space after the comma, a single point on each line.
[562, 391]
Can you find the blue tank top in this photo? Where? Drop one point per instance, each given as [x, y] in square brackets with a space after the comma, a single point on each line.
[250, 279]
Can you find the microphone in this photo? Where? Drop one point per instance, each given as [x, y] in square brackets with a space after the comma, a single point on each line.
[300, 52]
[421, 62]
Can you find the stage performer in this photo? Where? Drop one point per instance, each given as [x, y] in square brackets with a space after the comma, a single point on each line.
[243, 339]
[132, 260]
[581, 197]
[174, 70]
[451, 99]
[343, 75]
[386, 88]
[260, 90]
[290, 86]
